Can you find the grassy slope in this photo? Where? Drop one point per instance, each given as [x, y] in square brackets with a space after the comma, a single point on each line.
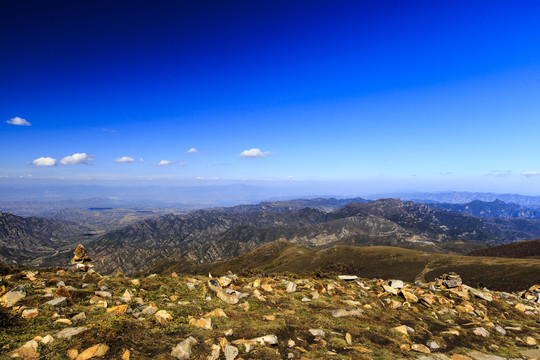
[370, 262]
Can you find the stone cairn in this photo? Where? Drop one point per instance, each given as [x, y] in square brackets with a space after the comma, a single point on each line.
[81, 260]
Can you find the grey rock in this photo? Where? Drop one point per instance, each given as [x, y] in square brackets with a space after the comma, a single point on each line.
[477, 355]
[12, 297]
[60, 284]
[80, 316]
[480, 331]
[104, 294]
[67, 333]
[291, 287]
[395, 284]
[191, 286]
[500, 330]
[347, 312]
[433, 345]
[182, 351]
[266, 340]
[316, 332]
[57, 301]
[231, 352]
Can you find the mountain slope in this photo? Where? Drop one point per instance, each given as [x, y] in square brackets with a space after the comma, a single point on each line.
[22, 239]
[522, 249]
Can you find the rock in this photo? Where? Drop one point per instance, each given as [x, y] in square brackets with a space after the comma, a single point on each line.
[224, 281]
[12, 297]
[347, 277]
[98, 350]
[228, 332]
[451, 280]
[104, 294]
[214, 355]
[150, 309]
[395, 284]
[479, 294]
[317, 332]
[500, 330]
[409, 296]
[291, 287]
[421, 348]
[118, 310]
[99, 301]
[127, 296]
[433, 345]
[267, 287]
[477, 355]
[182, 351]
[270, 317]
[266, 340]
[80, 255]
[63, 321]
[230, 352]
[222, 294]
[434, 357]
[79, 316]
[28, 351]
[48, 339]
[163, 317]
[401, 329]
[530, 341]
[347, 312]
[191, 286]
[126, 355]
[136, 282]
[56, 302]
[480, 331]
[67, 333]
[216, 313]
[204, 323]
[390, 289]
[29, 313]
[348, 339]
[73, 353]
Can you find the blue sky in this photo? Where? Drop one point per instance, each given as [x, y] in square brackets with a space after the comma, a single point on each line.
[386, 95]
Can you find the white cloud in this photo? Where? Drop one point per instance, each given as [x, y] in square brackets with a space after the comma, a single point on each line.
[499, 173]
[531, 173]
[124, 159]
[18, 121]
[192, 151]
[77, 158]
[165, 162]
[44, 161]
[141, 160]
[254, 154]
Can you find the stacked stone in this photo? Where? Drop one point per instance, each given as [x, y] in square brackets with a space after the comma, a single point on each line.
[81, 260]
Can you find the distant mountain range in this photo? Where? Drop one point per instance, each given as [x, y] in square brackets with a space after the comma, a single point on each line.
[220, 233]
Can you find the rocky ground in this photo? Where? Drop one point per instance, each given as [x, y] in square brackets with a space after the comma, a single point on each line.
[78, 315]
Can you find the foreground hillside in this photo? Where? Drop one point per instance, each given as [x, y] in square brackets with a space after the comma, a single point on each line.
[62, 315]
[377, 261]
